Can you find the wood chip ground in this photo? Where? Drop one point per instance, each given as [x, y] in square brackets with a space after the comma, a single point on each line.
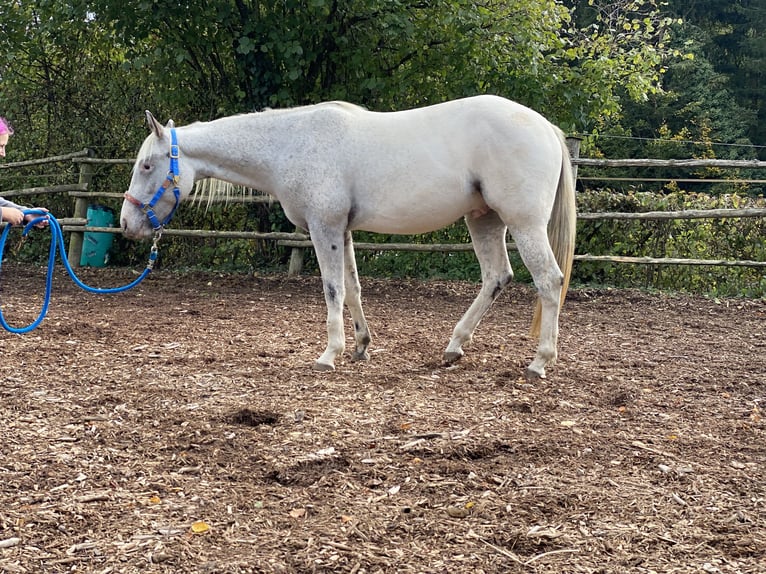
[179, 428]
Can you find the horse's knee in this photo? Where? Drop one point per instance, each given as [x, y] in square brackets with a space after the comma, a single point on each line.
[333, 292]
[501, 283]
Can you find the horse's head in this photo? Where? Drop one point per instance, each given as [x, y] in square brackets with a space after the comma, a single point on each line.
[161, 178]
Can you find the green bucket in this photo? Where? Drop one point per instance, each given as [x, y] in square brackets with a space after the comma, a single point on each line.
[96, 245]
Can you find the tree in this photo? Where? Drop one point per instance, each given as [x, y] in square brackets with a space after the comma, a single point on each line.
[697, 103]
[62, 84]
[228, 56]
[732, 38]
[703, 109]
[81, 73]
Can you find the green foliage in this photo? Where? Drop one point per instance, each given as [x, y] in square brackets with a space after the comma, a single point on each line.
[222, 56]
[712, 95]
[62, 84]
[621, 67]
[696, 116]
[724, 239]
[731, 36]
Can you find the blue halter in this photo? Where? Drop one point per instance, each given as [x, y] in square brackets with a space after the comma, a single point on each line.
[170, 180]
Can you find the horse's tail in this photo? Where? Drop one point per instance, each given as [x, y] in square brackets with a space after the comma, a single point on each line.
[561, 228]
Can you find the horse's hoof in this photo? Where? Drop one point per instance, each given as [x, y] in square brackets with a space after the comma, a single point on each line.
[452, 356]
[323, 367]
[364, 356]
[532, 376]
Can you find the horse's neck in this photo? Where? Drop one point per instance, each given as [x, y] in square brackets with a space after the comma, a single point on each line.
[237, 149]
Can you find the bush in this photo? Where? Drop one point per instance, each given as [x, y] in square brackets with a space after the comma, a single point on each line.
[724, 239]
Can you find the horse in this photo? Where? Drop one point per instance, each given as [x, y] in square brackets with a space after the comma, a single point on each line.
[336, 167]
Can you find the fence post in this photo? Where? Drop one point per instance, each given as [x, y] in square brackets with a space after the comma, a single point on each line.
[296, 257]
[80, 210]
[573, 144]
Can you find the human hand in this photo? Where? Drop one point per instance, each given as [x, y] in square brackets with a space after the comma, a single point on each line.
[30, 216]
[12, 215]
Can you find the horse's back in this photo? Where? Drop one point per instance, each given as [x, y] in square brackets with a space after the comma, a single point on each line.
[460, 125]
[416, 170]
[463, 133]
[472, 113]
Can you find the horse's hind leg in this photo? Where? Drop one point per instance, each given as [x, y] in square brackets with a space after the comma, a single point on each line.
[354, 302]
[535, 251]
[488, 236]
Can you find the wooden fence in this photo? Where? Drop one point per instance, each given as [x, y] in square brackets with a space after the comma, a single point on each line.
[299, 240]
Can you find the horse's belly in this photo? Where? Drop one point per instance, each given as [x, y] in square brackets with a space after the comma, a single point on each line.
[416, 189]
[411, 217]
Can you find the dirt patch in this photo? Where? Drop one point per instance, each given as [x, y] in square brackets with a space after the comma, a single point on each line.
[179, 428]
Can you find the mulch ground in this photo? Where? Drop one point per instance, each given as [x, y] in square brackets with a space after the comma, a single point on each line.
[179, 427]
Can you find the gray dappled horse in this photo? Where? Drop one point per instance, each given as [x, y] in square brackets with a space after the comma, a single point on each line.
[336, 167]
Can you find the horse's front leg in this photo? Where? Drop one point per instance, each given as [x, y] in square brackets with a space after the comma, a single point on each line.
[354, 302]
[328, 246]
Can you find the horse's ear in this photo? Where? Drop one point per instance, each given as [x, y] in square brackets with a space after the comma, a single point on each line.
[154, 125]
[171, 124]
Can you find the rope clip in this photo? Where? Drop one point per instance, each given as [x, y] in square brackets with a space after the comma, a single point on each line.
[154, 251]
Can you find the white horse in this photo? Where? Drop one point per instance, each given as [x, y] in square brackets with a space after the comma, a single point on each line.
[336, 167]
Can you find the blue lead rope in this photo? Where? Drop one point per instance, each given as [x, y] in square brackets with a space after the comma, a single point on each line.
[57, 241]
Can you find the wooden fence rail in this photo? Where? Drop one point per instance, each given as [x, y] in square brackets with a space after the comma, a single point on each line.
[675, 163]
[299, 241]
[685, 214]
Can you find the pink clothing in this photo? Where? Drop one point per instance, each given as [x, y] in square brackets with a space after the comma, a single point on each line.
[5, 127]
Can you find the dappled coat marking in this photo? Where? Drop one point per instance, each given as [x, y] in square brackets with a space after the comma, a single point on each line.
[336, 167]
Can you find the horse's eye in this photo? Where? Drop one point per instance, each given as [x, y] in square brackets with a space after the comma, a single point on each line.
[146, 167]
